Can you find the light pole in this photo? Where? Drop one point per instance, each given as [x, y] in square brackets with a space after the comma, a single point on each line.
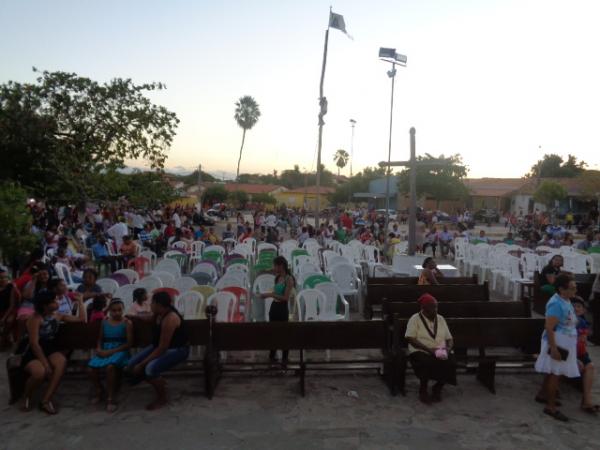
[390, 55]
[352, 124]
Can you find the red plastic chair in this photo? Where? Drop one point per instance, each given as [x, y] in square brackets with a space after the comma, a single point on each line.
[173, 293]
[242, 306]
[141, 265]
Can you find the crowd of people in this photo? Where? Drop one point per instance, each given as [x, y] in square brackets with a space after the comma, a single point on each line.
[34, 299]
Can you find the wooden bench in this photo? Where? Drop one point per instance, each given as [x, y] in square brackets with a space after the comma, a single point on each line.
[540, 298]
[302, 336]
[404, 310]
[84, 336]
[377, 293]
[414, 280]
[485, 334]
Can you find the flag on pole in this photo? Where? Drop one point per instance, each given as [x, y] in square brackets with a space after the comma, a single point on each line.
[337, 21]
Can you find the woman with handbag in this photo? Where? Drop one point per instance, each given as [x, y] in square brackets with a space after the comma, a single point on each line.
[429, 346]
[558, 354]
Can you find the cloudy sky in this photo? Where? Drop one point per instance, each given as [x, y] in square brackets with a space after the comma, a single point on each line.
[500, 82]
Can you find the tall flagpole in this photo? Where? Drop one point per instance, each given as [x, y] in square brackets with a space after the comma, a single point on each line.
[322, 112]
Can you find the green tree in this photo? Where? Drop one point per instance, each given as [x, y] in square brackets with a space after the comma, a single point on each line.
[246, 115]
[15, 222]
[238, 198]
[265, 199]
[357, 183]
[341, 158]
[57, 132]
[192, 178]
[590, 184]
[554, 166]
[439, 177]
[215, 194]
[549, 192]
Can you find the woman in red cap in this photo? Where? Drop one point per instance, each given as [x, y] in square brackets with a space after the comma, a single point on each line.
[429, 346]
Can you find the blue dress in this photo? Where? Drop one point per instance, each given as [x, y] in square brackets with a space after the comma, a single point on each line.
[113, 336]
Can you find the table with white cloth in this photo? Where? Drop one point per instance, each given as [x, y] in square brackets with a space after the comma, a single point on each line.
[446, 269]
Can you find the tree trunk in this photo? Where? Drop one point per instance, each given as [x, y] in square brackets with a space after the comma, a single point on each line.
[240, 158]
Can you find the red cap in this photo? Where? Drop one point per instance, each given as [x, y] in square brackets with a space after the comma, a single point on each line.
[427, 299]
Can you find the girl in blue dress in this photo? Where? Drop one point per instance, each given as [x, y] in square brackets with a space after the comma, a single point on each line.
[112, 353]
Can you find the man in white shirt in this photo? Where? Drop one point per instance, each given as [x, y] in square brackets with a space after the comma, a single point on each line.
[175, 218]
[117, 231]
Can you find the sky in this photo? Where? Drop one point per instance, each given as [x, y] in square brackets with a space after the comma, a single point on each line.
[500, 82]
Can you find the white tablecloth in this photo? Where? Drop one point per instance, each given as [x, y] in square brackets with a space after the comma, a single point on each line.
[446, 269]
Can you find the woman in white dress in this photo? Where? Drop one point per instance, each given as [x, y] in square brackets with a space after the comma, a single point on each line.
[558, 354]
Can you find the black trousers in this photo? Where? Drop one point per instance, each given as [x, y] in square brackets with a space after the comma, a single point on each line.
[428, 367]
[279, 313]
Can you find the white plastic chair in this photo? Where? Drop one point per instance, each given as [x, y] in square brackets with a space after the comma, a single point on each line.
[328, 308]
[208, 269]
[131, 275]
[167, 279]
[64, 273]
[150, 256]
[307, 304]
[125, 293]
[108, 285]
[149, 283]
[298, 261]
[263, 284]
[181, 246]
[576, 263]
[266, 246]
[225, 303]
[189, 303]
[529, 263]
[233, 280]
[168, 265]
[348, 282]
[184, 284]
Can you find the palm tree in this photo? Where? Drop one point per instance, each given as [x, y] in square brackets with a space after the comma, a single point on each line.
[341, 158]
[246, 115]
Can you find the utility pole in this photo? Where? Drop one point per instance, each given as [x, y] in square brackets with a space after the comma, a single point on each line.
[352, 124]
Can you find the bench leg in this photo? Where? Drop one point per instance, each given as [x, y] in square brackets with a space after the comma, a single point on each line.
[302, 374]
[486, 374]
[212, 372]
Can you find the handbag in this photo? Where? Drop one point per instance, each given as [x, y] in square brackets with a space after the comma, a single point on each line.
[564, 353]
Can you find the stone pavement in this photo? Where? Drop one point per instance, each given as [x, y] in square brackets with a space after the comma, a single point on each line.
[250, 412]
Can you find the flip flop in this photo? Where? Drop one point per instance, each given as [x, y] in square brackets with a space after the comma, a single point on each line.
[26, 407]
[594, 409]
[48, 408]
[556, 415]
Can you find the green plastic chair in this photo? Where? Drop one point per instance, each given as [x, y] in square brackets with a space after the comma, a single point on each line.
[299, 251]
[593, 250]
[313, 280]
[236, 261]
[181, 260]
[215, 257]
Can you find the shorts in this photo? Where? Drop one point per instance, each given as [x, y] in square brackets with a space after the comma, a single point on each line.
[584, 359]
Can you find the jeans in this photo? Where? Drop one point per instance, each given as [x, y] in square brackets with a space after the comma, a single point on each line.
[164, 362]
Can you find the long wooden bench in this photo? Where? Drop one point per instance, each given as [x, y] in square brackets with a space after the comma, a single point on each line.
[377, 293]
[84, 336]
[413, 280]
[460, 309]
[302, 336]
[485, 335]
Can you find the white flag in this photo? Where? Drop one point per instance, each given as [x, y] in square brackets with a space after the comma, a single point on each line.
[337, 21]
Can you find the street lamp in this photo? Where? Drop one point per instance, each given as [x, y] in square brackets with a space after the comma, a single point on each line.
[389, 55]
[352, 124]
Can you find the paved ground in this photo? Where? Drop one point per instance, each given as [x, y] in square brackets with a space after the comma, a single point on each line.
[250, 412]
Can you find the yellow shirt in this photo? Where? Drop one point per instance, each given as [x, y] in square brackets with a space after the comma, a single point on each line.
[416, 329]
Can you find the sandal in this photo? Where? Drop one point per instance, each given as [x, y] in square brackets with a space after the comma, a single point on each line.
[111, 407]
[543, 400]
[48, 408]
[593, 410]
[26, 407]
[556, 415]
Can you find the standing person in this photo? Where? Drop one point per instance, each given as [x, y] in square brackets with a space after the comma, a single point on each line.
[112, 353]
[41, 358]
[586, 368]
[118, 231]
[170, 347]
[281, 295]
[429, 345]
[558, 354]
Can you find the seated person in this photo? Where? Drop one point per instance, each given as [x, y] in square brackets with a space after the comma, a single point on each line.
[430, 273]
[170, 347]
[583, 358]
[445, 239]
[140, 305]
[549, 273]
[128, 250]
[102, 255]
[429, 346]
[88, 288]
[41, 358]
[587, 243]
[228, 233]
[482, 237]
[509, 240]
